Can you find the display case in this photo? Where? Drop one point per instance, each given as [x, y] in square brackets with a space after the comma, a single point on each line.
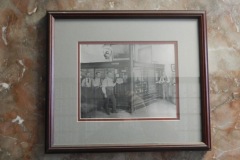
[145, 86]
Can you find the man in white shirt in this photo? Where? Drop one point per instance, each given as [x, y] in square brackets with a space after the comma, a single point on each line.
[87, 82]
[87, 89]
[108, 91]
[97, 80]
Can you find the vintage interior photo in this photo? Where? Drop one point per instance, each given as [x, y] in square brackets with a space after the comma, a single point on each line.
[128, 80]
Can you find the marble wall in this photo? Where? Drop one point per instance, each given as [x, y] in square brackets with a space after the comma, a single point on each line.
[23, 61]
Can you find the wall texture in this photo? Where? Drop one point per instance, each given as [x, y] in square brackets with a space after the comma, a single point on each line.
[23, 56]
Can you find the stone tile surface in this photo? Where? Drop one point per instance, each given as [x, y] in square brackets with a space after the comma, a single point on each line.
[23, 61]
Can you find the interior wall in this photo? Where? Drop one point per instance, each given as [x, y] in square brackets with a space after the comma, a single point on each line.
[164, 54]
[23, 76]
[91, 53]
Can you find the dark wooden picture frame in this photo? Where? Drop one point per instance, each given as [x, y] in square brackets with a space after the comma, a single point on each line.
[199, 16]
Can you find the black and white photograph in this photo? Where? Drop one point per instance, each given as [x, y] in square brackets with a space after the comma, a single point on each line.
[128, 80]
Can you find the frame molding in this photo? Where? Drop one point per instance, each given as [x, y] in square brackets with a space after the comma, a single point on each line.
[205, 109]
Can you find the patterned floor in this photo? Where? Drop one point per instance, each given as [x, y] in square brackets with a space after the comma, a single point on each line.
[159, 109]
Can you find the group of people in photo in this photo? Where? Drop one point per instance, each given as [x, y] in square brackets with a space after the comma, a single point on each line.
[98, 93]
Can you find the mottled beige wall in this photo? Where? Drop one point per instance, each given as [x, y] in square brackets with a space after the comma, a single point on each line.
[23, 76]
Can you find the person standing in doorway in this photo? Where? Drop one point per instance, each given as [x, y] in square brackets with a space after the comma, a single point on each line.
[108, 91]
[164, 80]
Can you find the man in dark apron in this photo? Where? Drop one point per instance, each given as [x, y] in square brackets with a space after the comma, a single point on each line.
[108, 91]
[98, 95]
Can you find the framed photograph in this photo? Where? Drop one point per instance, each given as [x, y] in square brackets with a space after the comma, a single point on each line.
[120, 81]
